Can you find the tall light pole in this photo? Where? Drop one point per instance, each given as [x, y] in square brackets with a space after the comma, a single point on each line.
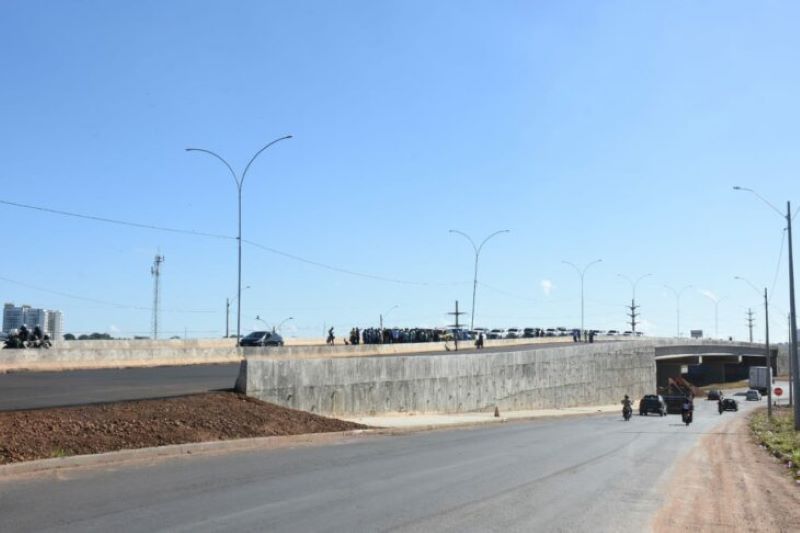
[766, 343]
[282, 322]
[678, 306]
[633, 297]
[258, 317]
[384, 314]
[477, 250]
[581, 274]
[794, 362]
[239, 181]
[228, 312]
[716, 302]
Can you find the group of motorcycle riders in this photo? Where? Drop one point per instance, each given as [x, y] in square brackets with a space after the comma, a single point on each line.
[23, 338]
[687, 409]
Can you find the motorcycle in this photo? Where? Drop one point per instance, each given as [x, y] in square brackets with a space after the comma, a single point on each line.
[627, 412]
[686, 416]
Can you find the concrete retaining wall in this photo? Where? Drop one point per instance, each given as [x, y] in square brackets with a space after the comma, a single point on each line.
[573, 375]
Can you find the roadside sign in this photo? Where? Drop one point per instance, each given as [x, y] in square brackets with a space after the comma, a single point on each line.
[778, 391]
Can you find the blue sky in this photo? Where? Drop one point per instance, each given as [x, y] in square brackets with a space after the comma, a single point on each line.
[610, 130]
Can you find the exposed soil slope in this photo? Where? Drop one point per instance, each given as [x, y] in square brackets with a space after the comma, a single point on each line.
[39, 434]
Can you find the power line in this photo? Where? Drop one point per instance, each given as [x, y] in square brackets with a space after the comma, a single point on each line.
[777, 267]
[194, 233]
[96, 301]
[118, 222]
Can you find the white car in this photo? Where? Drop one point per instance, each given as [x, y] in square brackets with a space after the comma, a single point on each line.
[753, 395]
[513, 333]
[496, 333]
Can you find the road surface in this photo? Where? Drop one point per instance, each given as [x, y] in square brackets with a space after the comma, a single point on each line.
[593, 473]
[33, 390]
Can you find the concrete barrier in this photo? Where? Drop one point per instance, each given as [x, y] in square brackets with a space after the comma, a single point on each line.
[124, 353]
[573, 375]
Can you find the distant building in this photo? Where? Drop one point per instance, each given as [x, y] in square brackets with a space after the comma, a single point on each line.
[51, 322]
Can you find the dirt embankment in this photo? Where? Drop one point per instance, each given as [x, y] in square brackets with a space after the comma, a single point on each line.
[729, 483]
[45, 433]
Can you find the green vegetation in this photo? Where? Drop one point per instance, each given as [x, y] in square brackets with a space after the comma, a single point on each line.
[58, 452]
[779, 436]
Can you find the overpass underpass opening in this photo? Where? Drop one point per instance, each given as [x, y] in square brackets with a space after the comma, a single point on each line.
[705, 370]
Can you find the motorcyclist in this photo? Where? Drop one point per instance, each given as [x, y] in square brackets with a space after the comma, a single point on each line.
[627, 405]
[687, 408]
[37, 333]
[720, 405]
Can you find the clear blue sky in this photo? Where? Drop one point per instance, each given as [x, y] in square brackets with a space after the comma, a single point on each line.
[610, 130]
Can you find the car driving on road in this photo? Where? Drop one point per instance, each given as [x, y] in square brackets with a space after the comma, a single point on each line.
[262, 338]
[652, 403]
[753, 395]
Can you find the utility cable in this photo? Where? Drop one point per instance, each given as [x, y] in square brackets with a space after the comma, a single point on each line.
[777, 267]
[227, 237]
[96, 301]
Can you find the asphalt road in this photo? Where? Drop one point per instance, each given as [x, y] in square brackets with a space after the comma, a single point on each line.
[594, 473]
[33, 390]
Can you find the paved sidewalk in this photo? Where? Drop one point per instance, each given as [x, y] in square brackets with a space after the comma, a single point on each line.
[432, 420]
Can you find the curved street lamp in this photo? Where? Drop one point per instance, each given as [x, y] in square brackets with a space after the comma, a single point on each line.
[633, 296]
[477, 249]
[282, 322]
[239, 181]
[794, 363]
[581, 274]
[228, 310]
[678, 306]
[716, 302]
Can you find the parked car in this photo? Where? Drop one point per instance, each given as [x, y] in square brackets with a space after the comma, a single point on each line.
[714, 394]
[562, 332]
[652, 403]
[262, 338]
[513, 333]
[529, 333]
[753, 395]
[729, 404]
[612, 332]
[496, 333]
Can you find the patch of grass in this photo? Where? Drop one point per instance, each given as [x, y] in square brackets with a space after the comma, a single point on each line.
[59, 452]
[778, 436]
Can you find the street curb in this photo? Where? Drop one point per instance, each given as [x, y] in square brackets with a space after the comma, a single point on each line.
[116, 458]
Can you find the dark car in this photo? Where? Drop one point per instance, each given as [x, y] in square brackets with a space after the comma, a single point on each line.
[262, 338]
[714, 394]
[652, 403]
[729, 404]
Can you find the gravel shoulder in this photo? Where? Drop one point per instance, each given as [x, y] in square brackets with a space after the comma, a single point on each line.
[93, 429]
[729, 483]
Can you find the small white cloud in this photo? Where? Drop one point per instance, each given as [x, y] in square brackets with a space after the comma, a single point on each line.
[547, 286]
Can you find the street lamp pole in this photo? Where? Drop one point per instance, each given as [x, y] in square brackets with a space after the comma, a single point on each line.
[633, 297]
[794, 363]
[239, 182]
[716, 302]
[282, 322]
[766, 342]
[477, 250]
[581, 274]
[678, 306]
[228, 312]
